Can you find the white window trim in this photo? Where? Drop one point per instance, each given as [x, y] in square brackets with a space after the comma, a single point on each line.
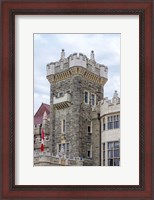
[91, 153]
[62, 121]
[65, 144]
[94, 99]
[91, 124]
[88, 96]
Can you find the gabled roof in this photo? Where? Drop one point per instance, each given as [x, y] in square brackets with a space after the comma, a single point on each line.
[38, 117]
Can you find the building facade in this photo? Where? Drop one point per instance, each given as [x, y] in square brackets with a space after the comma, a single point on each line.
[110, 130]
[74, 127]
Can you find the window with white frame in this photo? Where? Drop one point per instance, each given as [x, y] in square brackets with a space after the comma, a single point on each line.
[116, 121]
[64, 147]
[113, 122]
[59, 148]
[110, 122]
[67, 147]
[86, 97]
[89, 152]
[93, 99]
[113, 153]
[63, 126]
[104, 124]
[89, 129]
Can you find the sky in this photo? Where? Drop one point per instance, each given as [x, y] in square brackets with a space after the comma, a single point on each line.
[47, 48]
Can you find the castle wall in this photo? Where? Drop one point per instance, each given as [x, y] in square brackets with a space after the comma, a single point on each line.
[78, 116]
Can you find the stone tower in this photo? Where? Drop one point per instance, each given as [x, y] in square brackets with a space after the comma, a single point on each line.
[76, 87]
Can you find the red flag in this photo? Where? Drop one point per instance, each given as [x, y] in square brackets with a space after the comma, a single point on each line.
[42, 144]
[42, 147]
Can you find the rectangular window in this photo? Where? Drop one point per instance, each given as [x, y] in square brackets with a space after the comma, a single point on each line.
[86, 97]
[89, 129]
[93, 99]
[88, 154]
[113, 153]
[59, 147]
[67, 147]
[63, 126]
[103, 154]
[116, 121]
[103, 124]
[64, 147]
[110, 122]
[113, 122]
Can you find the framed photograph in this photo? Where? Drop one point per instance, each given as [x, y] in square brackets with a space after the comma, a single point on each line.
[77, 99]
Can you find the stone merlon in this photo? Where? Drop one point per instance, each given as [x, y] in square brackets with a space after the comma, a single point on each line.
[77, 60]
[108, 106]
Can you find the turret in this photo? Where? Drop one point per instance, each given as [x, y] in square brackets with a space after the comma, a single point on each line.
[92, 55]
[62, 54]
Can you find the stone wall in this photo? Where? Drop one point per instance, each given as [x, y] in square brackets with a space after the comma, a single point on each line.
[74, 75]
[78, 117]
[76, 59]
[46, 160]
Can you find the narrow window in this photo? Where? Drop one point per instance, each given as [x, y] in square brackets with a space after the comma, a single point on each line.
[67, 147]
[116, 121]
[86, 97]
[88, 154]
[63, 126]
[63, 147]
[104, 124]
[59, 147]
[89, 129]
[103, 154]
[110, 122]
[93, 102]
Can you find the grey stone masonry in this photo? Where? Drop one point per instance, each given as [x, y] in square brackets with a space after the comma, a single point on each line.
[76, 59]
[76, 89]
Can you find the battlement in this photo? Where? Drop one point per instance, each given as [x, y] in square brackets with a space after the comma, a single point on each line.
[77, 60]
[110, 106]
[45, 158]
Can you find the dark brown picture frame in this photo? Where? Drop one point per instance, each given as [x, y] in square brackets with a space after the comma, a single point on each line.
[12, 8]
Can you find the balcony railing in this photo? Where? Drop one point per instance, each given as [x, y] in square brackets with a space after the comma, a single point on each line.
[38, 154]
[62, 102]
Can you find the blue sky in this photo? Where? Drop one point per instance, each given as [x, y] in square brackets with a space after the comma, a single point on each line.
[47, 48]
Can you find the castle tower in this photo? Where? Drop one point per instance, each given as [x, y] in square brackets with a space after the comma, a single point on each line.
[76, 87]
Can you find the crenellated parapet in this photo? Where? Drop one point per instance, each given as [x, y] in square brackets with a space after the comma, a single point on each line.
[110, 106]
[73, 61]
[47, 159]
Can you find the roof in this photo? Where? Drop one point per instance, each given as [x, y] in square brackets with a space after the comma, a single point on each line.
[38, 117]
